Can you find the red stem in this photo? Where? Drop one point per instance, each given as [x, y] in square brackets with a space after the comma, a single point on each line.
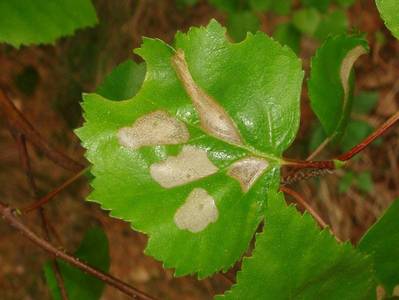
[303, 164]
[371, 138]
[299, 199]
[329, 164]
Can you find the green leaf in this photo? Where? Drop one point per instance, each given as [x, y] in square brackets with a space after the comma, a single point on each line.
[293, 259]
[364, 182]
[346, 182]
[240, 23]
[230, 6]
[306, 20]
[365, 102]
[43, 21]
[288, 35]
[331, 81]
[171, 160]
[381, 242]
[332, 23]
[321, 5]
[123, 82]
[345, 3]
[281, 7]
[260, 5]
[79, 285]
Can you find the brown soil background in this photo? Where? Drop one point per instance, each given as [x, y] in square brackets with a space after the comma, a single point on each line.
[79, 63]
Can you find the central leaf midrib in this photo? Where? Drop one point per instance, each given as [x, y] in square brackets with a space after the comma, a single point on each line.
[248, 148]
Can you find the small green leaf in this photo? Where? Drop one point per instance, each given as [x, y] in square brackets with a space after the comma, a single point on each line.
[365, 102]
[321, 5]
[389, 11]
[306, 20]
[172, 159]
[79, 285]
[331, 81]
[240, 23]
[280, 7]
[288, 35]
[382, 242]
[293, 259]
[43, 21]
[230, 6]
[345, 3]
[364, 182]
[346, 182]
[123, 82]
[332, 23]
[260, 5]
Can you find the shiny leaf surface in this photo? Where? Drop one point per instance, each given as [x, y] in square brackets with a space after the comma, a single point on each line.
[389, 11]
[294, 260]
[42, 21]
[191, 157]
[331, 81]
[382, 242]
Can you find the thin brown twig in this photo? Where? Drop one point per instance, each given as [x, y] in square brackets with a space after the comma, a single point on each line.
[42, 201]
[25, 161]
[17, 121]
[139, 9]
[8, 214]
[54, 264]
[319, 149]
[299, 199]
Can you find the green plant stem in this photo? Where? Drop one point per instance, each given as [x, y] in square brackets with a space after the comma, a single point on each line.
[9, 215]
